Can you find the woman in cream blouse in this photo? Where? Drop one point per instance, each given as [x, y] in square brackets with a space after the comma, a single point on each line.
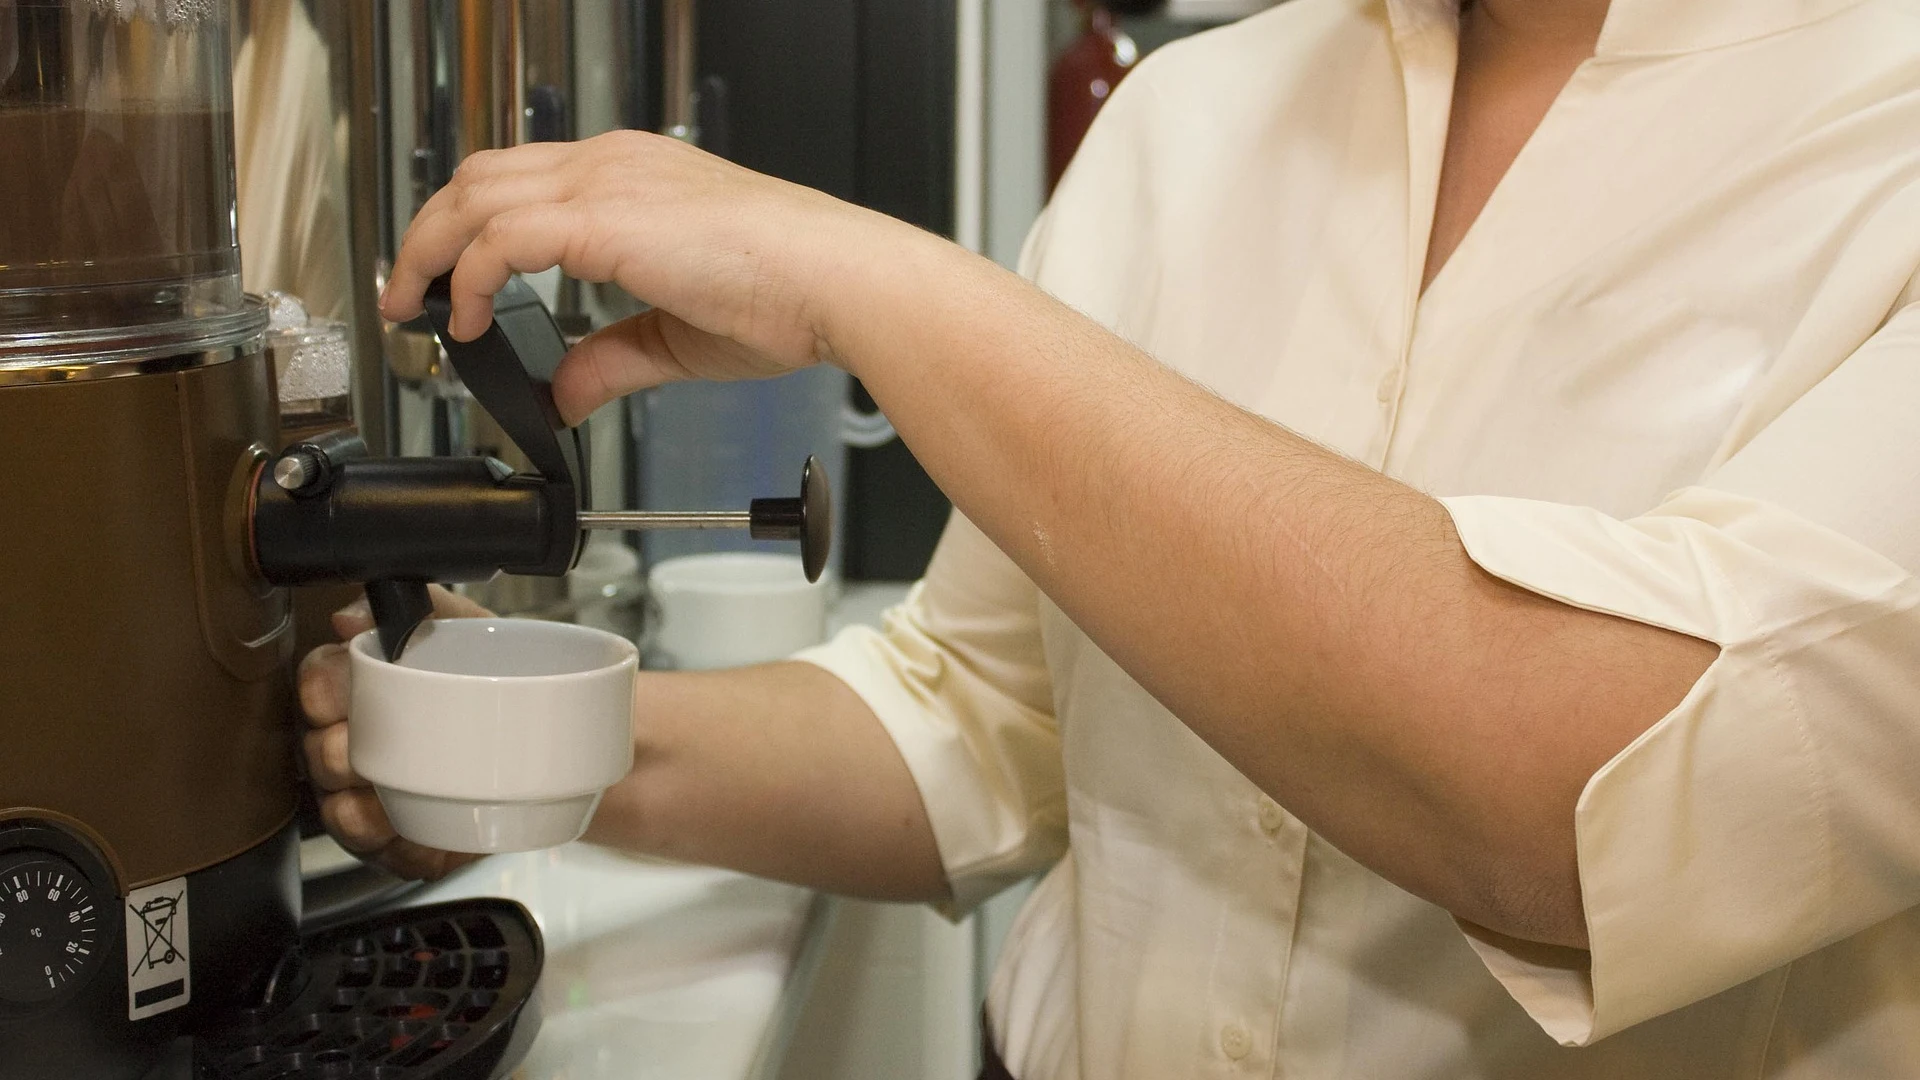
[1434, 583]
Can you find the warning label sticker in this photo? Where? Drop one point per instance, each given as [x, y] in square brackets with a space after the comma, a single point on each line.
[159, 971]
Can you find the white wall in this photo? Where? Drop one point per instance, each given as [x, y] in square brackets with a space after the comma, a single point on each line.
[1017, 55]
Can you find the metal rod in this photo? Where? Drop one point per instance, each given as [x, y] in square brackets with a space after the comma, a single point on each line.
[679, 44]
[357, 40]
[665, 519]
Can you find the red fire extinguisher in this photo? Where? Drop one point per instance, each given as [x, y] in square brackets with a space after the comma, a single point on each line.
[1085, 75]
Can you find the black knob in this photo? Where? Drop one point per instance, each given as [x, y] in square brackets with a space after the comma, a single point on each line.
[808, 519]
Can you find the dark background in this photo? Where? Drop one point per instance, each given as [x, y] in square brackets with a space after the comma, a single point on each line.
[855, 98]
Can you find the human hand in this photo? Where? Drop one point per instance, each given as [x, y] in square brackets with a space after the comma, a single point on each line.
[747, 274]
[348, 805]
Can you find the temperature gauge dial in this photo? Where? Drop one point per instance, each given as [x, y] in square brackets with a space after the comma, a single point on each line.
[50, 927]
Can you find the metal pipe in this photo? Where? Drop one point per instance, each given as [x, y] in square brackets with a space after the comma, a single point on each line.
[490, 95]
[970, 125]
[355, 45]
[635, 520]
[680, 102]
[371, 239]
[431, 30]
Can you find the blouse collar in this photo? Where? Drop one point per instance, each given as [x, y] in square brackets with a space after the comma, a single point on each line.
[1646, 28]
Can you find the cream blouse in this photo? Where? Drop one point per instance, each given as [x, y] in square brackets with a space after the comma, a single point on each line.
[1673, 373]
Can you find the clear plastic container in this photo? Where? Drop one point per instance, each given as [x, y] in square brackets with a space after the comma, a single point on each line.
[117, 224]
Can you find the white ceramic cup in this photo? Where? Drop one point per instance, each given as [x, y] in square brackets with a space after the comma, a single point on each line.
[493, 734]
[733, 608]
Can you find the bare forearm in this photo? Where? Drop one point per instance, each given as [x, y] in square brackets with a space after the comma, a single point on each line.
[1318, 623]
[779, 770]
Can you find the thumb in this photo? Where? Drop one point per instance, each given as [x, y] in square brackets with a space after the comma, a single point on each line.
[615, 361]
[448, 604]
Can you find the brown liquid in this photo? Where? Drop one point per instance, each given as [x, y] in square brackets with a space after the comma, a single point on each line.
[114, 197]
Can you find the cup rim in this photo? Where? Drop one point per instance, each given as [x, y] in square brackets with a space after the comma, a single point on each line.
[364, 650]
[667, 575]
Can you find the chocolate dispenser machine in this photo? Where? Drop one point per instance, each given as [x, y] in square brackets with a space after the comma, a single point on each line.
[152, 523]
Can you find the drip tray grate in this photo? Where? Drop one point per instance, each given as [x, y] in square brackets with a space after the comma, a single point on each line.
[443, 992]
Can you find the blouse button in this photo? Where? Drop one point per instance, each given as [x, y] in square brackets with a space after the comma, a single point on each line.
[1271, 816]
[1235, 1042]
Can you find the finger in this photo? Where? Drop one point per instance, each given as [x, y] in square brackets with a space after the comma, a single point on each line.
[353, 620]
[448, 604]
[359, 824]
[613, 362]
[357, 821]
[486, 184]
[410, 860]
[327, 763]
[324, 686]
[647, 350]
[526, 239]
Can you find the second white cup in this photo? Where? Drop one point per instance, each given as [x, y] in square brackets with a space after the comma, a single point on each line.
[734, 608]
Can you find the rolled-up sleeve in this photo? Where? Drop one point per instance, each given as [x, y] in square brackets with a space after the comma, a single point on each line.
[958, 677]
[1777, 808]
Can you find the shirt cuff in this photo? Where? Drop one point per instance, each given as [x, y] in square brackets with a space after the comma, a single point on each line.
[973, 756]
[1704, 847]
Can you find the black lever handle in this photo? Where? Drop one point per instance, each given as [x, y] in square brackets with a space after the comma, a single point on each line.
[509, 371]
[327, 512]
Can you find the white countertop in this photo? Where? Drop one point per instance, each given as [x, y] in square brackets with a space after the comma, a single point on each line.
[653, 970]
[658, 970]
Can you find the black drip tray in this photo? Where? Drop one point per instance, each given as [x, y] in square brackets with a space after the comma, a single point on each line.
[443, 992]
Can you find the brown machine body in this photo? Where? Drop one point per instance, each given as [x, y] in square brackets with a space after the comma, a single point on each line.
[144, 683]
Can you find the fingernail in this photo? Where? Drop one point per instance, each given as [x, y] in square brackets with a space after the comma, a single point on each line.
[357, 610]
[384, 289]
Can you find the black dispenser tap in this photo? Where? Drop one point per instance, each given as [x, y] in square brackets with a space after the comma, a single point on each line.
[325, 512]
